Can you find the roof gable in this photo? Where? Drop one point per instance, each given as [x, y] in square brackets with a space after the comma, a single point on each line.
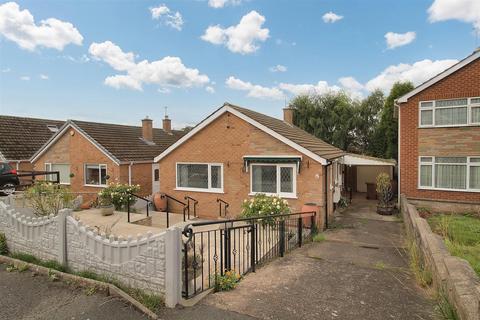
[295, 137]
[471, 58]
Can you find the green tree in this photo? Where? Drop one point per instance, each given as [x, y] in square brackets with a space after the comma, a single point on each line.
[385, 139]
[328, 116]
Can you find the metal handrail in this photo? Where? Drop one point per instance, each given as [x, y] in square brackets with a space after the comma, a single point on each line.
[226, 205]
[185, 208]
[33, 174]
[139, 197]
[195, 202]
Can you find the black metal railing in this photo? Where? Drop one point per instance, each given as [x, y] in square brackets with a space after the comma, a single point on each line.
[189, 200]
[168, 209]
[24, 175]
[148, 203]
[222, 207]
[212, 248]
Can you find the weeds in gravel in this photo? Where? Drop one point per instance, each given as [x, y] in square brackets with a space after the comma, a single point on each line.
[51, 264]
[319, 237]
[446, 310]
[422, 274]
[3, 244]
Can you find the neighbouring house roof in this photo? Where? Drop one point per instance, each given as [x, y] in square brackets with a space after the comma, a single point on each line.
[21, 137]
[471, 58]
[360, 159]
[121, 143]
[291, 135]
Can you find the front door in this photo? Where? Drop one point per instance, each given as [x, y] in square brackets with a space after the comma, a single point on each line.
[155, 178]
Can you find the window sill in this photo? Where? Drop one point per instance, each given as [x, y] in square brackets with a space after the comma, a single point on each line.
[450, 126]
[200, 190]
[95, 185]
[446, 189]
[293, 197]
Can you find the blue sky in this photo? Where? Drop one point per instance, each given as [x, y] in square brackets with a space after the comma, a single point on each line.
[117, 61]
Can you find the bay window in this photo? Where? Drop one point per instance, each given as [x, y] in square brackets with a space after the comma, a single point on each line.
[278, 179]
[96, 175]
[63, 170]
[449, 173]
[207, 177]
[453, 112]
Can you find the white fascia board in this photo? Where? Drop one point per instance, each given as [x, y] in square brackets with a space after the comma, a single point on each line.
[439, 77]
[249, 120]
[361, 161]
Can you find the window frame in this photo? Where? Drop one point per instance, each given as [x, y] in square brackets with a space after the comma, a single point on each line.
[100, 165]
[468, 165]
[470, 105]
[50, 178]
[286, 195]
[209, 189]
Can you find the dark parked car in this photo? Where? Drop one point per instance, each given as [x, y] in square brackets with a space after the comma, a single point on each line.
[8, 179]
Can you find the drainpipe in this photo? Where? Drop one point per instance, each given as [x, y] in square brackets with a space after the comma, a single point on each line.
[398, 153]
[326, 194]
[18, 165]
[130, 173]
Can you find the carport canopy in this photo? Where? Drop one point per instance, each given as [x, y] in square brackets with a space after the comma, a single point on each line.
[351, 159]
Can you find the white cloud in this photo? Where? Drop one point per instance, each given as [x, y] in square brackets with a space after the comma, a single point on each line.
[463, 10]
[278, 68]
[331, 17]
[399, 39]
[19, 26]
[222, 3]
[6, 70]
[254, 91]
[167, 72]
[164, 14]
[354, 88]
[82, 59]
[43, 77]
[417, 73]
[243, 37]
[319, 88]
[210, 89]
[25, 78]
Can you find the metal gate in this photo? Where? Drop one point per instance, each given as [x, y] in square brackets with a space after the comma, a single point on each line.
[241, 245]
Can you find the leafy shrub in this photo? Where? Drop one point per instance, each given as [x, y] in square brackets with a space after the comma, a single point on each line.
[227, 281]
[3, 244]
[319, 237]
[119, 195]
[262, 205]
[48, 198]
[384, 189]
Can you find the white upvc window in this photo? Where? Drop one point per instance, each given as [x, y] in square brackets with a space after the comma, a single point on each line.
[95, 175]
[273, 179]
[449, 173]
[449, 113]
[62, 168]
[200, 177]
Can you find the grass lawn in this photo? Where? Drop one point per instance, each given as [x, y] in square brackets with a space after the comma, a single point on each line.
[461, 234]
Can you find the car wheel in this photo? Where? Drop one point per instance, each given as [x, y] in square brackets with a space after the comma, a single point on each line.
[7, 189]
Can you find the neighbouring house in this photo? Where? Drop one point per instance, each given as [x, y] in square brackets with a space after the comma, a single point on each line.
[439, 139]
[21, 137]
[236, 153]
[90, 155]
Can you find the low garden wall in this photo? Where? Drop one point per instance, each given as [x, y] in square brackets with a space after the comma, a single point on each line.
[452, 276]
[138, 261]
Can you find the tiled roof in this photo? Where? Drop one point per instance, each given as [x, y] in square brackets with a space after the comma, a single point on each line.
[21, 137]
[293, 133]
[125, 142]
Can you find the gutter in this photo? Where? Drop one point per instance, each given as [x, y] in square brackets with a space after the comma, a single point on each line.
[130, 173]
[326, 193]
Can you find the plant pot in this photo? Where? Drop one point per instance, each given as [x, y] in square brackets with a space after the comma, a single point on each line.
[160, 201]
[385, 210]
[106, 210]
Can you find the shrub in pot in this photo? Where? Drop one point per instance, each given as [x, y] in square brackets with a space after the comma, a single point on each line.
[120, 195]
[105, 205]
[385, 204]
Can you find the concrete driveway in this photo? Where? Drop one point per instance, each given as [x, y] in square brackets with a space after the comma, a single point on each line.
[359, 272]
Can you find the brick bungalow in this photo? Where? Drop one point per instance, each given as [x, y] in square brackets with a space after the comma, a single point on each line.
[21, 137]
[235, 153]
[87, 153]
[439, 139]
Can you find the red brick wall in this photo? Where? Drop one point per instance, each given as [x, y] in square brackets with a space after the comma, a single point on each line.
[78, 151]
[226, 140]
[460, 141]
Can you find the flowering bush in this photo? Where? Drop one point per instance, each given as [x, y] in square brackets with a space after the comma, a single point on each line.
[262, 205]
[47, 198]
[119, 195]
[227, 282]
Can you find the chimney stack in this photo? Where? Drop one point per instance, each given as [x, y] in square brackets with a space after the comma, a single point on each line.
[288, 115]
[147, 129]
[167, 125]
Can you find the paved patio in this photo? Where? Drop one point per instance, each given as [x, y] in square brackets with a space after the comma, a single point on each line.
[359, 272]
